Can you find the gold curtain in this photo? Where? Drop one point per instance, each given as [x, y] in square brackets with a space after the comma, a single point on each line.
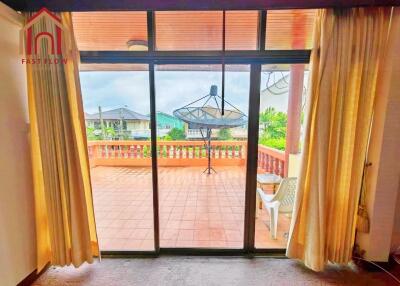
[65, 224]
[348, 50]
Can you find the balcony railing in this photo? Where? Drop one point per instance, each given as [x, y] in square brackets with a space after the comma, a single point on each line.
[271, 160]
[181, 153]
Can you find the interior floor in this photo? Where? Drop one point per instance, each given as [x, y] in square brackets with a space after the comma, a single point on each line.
[179, 270]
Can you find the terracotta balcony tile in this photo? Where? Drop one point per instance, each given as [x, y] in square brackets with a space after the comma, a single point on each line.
[187, 224]
[173, 224]
[185, 235]
[139, 233]
[147, 244]
[201, 224]
[133, 244]
[170, 234]
[217, 235]
[131, 223]
[210, 206]
[233, 235]
[202, 234]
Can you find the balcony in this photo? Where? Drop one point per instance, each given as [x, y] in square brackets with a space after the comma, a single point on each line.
[205, 211]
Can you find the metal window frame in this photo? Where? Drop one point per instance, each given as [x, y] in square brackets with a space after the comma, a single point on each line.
[197, 57]
[254, 58]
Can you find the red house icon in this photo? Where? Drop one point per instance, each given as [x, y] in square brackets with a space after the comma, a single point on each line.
[30, 39]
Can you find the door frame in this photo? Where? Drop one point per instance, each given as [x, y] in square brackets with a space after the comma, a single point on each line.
[254, 58]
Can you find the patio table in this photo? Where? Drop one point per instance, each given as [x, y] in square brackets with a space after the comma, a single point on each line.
[268, 179]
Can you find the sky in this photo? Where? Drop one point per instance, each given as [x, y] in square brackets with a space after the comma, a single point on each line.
[174, 89]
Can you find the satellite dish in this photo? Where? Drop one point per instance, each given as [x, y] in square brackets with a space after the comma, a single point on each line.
[206, 114]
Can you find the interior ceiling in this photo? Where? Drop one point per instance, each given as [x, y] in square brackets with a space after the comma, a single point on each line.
[289, 29]
[100, 31]
[107, 5]
[189, 30]
[193, 30]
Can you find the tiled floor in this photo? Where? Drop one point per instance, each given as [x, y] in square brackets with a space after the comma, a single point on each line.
[196, 210]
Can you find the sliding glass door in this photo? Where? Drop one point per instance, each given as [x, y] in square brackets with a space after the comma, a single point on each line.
[201, 154]
[201, 149]
[117, 118]
[282, 105]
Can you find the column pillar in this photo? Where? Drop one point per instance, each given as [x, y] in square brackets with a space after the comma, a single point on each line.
[296, 84]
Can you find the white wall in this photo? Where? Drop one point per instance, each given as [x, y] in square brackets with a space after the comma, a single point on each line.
[17, 232]
[394, 140]
[384, 174]
[395, 245]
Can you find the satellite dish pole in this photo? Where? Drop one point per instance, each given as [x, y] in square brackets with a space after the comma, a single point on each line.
[207, 143]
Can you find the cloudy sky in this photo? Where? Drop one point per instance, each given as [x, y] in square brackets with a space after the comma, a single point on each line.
[174, 89]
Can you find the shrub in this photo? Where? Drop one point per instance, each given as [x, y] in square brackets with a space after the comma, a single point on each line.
[277, 143]
[225, 134]
[175, 134]
[96, 134]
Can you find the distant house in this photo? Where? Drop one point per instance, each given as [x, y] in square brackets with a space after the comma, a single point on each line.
[123, 121]
[166, 121]
[193, 133]
[130, 124]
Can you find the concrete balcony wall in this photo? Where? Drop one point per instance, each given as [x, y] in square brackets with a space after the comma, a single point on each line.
[136, 153]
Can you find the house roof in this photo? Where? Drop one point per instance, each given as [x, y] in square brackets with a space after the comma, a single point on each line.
[117, 114]
[168, 115]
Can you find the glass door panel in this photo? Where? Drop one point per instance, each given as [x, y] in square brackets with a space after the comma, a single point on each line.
[117, 108]
[282, 99]
[201, 167]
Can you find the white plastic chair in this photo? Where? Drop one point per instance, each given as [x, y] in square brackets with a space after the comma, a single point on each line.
[281, 202]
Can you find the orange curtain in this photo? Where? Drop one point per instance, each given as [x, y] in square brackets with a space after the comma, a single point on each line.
[65, 224]
[348, 52]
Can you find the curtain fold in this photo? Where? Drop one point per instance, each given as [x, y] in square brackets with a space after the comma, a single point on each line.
[348, 51]
[65, 224]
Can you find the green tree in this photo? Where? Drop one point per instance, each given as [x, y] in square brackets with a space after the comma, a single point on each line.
[225, 134]
[90, 134]
[274, 123]
[96, 134]
[175, 134]
[267, 117]
[273, 128]
[110, 132]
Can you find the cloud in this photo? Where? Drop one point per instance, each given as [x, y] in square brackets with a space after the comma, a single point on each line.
[115, 89]
[174, 89]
